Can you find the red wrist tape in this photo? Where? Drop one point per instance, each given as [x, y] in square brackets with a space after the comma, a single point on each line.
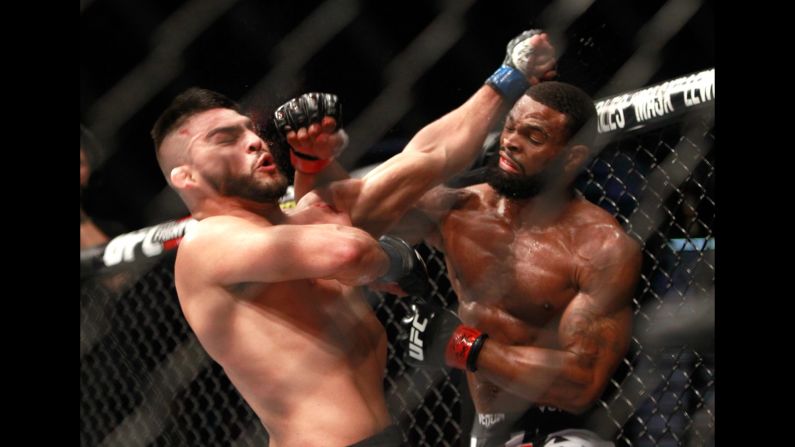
[460, 346]
[306, 164]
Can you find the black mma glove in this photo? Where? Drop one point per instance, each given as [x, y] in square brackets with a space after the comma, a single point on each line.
[406, 267]
[304, 111]
[437, 338]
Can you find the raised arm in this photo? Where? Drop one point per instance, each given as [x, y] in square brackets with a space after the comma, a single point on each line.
[311, 124]
[438, 151]
[444, 147]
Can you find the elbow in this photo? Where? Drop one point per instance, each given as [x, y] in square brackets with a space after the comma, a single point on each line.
[582, 399]
[349, 255]
[577, 400]
[353, 250]
[583, 391]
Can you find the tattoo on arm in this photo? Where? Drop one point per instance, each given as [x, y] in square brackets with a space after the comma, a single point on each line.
[588, 334]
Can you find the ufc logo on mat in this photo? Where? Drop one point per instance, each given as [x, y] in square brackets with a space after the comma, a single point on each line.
[415, 343]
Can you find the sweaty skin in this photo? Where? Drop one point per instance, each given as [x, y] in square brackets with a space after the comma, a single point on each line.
[550, 277]
[515, 279]
[271, 295]
[301, 352]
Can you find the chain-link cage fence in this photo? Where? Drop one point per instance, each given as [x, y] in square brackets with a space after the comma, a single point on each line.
[660, 186]
[145, 380]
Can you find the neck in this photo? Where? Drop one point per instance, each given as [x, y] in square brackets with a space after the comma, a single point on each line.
[544, 207]
[235, 206]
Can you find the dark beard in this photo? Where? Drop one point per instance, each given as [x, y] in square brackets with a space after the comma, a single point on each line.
[516, 186]
[245, 188]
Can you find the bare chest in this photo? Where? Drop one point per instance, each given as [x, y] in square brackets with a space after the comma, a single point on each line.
[526, 273]
[321, 312]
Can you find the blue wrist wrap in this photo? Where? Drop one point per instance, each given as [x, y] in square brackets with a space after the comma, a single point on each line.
[509, 82]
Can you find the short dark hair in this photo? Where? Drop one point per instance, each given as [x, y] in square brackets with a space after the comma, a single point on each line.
[188, 103]
[574, 103]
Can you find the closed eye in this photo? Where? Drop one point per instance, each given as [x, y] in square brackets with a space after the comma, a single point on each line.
[225, 135]
[535, 134]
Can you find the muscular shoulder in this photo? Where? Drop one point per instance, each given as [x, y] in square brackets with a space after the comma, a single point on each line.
[208, 241]
[609, 260]
[211, 228]
[601, 241]
[443, 199]
[476, 194]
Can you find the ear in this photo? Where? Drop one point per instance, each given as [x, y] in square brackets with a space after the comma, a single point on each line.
[576, 157]
[182, 177]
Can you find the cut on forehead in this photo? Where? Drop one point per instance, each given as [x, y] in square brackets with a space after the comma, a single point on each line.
[169, 132]
[201, 123]
[207, 120]
[187, 104]
[175, 147]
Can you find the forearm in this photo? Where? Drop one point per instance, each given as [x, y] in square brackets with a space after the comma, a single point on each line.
[311, 124]
[361, 260]
[455, 140]
[543, 376]
[307, 182]
[437, 152]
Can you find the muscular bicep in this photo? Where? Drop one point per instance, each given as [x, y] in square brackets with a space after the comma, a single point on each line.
[230, 251]
[597, 325]
[598, 339]
[304, 183]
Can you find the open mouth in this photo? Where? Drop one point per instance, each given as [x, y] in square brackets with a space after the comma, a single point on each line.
[266, 163]
[509, 165]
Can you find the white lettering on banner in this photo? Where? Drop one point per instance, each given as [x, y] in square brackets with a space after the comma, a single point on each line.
[415, 342]
[655, 101]
[489, 419]
[701, 89]
[151, 246]
[691, 97]
[415, 351]
[652, 102]
[170, 231]
[708, 86]
[611, 119]
[122, 248]
[611, 113]
[173, 230]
